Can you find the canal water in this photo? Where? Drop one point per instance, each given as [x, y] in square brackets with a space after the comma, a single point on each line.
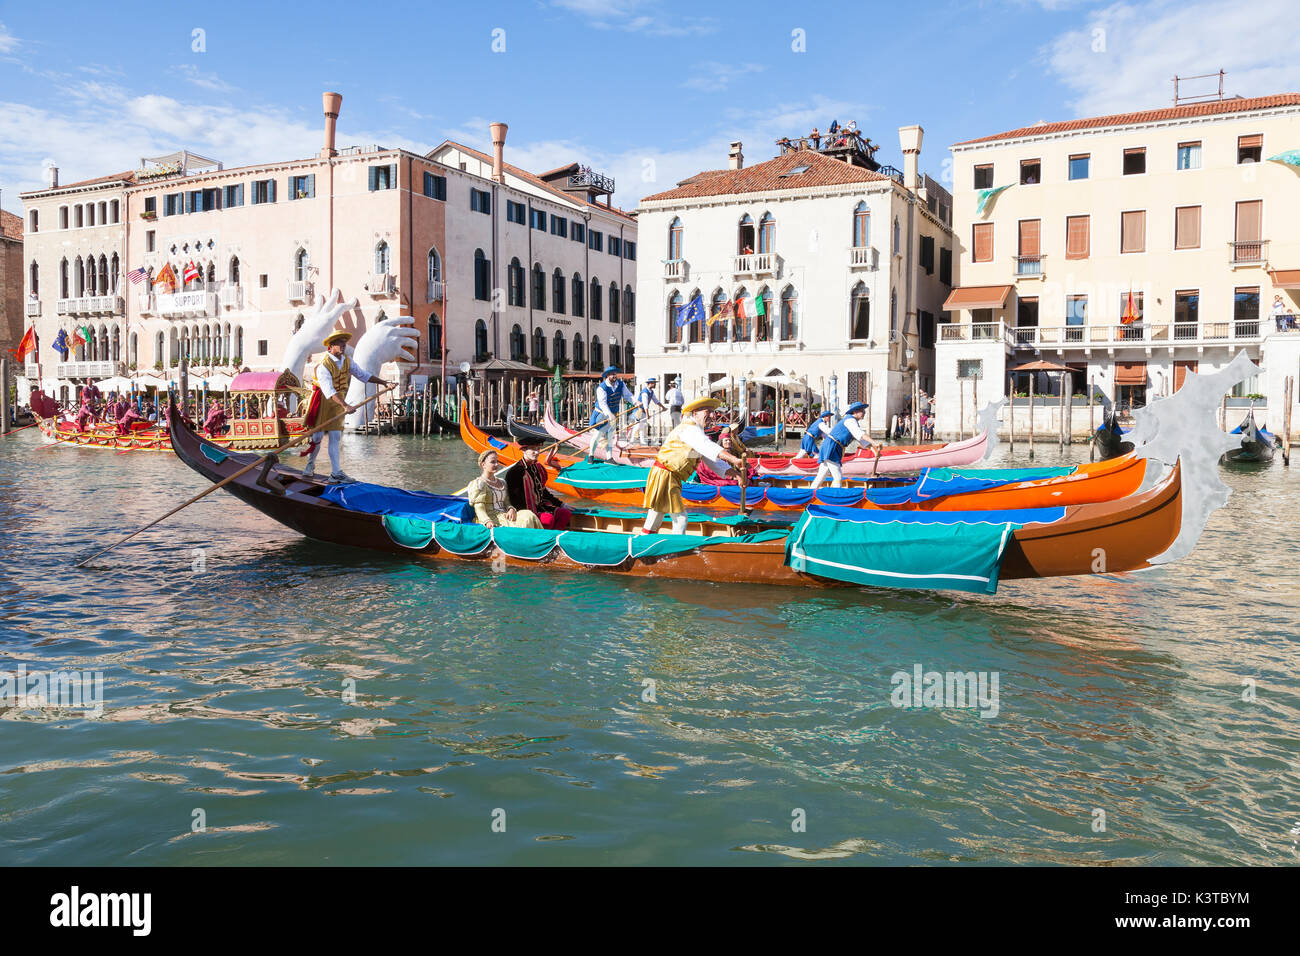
[270, 700]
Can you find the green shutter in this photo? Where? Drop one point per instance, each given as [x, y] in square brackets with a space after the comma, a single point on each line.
[373, 176]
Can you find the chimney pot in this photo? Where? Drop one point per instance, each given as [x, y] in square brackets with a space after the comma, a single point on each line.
[331, 103]
[909, 139]
[737, 158]
[498, 131]
[52, 176]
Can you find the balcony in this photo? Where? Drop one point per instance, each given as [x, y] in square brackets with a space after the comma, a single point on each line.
[232, 296]
[1248, 252]
[1137, 334]
[1029, 267]
[864, 257]
[90, 305]
[756, 264]
[33, 308]
[95, 370]
[676, 270]
[144, 303]
[437, 289]
[298, 292]
[187, 304]
[380, 283]
[973, 332]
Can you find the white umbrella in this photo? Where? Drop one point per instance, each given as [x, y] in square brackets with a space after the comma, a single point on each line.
[114, 384]
[217, 383]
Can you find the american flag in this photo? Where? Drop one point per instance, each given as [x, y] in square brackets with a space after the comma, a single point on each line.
[137, 276]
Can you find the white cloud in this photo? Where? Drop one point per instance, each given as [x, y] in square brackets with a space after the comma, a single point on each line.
[206, 81]
[713, 75]
[8, 42]
[638, 16]
[1125, 55]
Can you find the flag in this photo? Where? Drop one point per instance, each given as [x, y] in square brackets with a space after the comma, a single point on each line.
[77, 338]
[191, 272]
[166, 277]
[1290, 158]
[987, 196]
[747, 309]
[724, 312]
[137, 275]
[28, 344]
[60, 344]
[692, 311]
[1130, 313]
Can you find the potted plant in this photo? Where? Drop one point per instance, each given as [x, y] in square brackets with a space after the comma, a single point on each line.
[149, 215]
[158, 366]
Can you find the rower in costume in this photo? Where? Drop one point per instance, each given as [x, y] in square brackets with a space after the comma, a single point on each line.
[675, 402]
[848, 430]
[817, 431]
[526, 487]
[645, 398]
[610, 396]
[333, 373]
[684, 446]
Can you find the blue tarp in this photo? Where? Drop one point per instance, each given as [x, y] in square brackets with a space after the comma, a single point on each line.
[383, 500]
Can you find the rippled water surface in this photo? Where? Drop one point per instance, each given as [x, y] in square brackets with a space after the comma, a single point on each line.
[312, 704]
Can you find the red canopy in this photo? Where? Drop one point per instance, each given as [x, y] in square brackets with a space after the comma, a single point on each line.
[254, 382]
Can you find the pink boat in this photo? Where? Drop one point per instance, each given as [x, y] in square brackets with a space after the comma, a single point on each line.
[640, 456]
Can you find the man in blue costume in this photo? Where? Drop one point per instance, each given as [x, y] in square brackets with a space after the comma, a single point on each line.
[644, 399]
[818, 430]
[611, 394]
[848, 430]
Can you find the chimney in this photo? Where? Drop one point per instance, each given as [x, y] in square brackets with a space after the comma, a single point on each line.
[909, 139]
[736, 156]
[52, 176]
[498, 131]
[331, 102]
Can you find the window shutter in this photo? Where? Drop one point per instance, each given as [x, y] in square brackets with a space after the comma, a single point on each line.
[1248, 142]
[1133, 228]
[311, 186]
[1076, 237]
[270, 190]
[983, 242]
[392, 176]
[374, 170]
[1187, 227]
[1250, 218]
[1029, 230]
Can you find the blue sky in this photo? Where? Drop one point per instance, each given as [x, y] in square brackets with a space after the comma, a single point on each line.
[650, 91]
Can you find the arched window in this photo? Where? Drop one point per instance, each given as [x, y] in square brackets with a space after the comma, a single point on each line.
[175, 353]
[34, 279]
[117, 345]
[613, 302]
[675, 239]
[539, 287]
[101, 287]
[79, 276]
[116, 211]
[435, 339]
[34, 221]
[103, 213]
[579, 356]
[615, 353]
[480, 339]
[515, 282]
[64, 284]
[860, 312]
[893, 314]
[861, 225]
[557, 292]
[159, 356]
[518, 344]
[558, 348]
[674, 304]
[239, 346]
[597, 356]
[763, 322]
[767, 233]
[718, 323]
[435, 267]
[579, 308]
[742, 323]
[482, 276]
[898, 237]
[595, 300]
[234, 270]
[381, 258]
[114, 274]
[301, 265]
[104, 354]
[745, 236]
[539, 345]
[628, 356]
[695, 330]
[225, 343]
[789, 314]
[81, 216]
[212, 276]
[629, 305]
[63, 217]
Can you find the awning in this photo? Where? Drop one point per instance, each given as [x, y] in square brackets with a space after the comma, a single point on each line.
[1130, 373]
[1285, 278]
[978, 297]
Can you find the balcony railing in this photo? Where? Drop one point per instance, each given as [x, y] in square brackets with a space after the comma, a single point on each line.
[89, 369]
[90, 305]
[298, 292]
[437, 289]
[1248, 252]
[380, 283]
[864, 257]
[676, 270]
[33, 309]
[1029, 265]
[1139, 333]
[186, 304]
[144, 302]
[232, 296]
[755, 264]
[972, 332]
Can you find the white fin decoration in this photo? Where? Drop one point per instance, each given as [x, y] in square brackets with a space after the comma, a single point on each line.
[988, 421]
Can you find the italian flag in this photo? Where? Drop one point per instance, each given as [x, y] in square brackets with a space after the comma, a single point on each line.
[750, 308]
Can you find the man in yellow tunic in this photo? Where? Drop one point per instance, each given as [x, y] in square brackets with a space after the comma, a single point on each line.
[333, 373]
[683, 447]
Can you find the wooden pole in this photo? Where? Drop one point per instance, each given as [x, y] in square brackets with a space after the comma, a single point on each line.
[1288, 390]
[1011, 415]
[1060, 412]
[869, 404]
[974, 405]
[1092, 421]
[961, 409]
[1032, 376]
[1223, 413]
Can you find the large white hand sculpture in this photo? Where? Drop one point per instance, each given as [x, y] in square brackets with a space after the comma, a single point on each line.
[391, 340]
[315, 327]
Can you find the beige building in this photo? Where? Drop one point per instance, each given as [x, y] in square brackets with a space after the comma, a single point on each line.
[1175, 210]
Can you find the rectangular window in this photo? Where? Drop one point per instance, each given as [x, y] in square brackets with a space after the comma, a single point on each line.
[1137, 306]
[263, 280]
[984, 177]
[1187, 312]
[1187, 227]
[1250, 149]
[1030, 172]
[578, 233]
[435, 187]
[982, 242]
[1077, 236]
[302, 187]
[537, 219]
[945, 266]
[926, 254]
[1030, 261]
[1076, 314]
[1248, 245]
[1189, 155]
[150, 241]
[194, 200]
[480, 201]
[1079, 165]
[1245, 307]
[383, 177]
[1135, 161]
[151, 205]
[516, 212]
[559, 227]
[595, 240]
[970, 368]
[233, 196]
[629, 250]
[173, 204]
[614, 245]
[1133, 231]
[261, 346]
[926, 322]
[263, 191]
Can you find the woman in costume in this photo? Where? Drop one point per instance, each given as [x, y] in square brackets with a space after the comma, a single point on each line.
[527, 491]
[491, 502]
[818, 430]
[848, 430]
[677, 457]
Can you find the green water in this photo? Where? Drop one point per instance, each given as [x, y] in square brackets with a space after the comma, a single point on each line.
[311, 704]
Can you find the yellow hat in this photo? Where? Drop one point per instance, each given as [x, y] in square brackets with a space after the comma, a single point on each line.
[695, 406]
[339, 336]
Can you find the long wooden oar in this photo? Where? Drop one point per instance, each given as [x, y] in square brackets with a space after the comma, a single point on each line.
[347, 410]
[19, 428]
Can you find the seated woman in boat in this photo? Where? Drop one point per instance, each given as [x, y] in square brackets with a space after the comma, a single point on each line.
[490, 500]
[527, 491]
[685, 445]
[816, 433]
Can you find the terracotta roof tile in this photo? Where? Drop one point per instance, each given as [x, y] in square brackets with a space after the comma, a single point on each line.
[11, 226]
[126, 177]
[1213, 108]
[772, 175]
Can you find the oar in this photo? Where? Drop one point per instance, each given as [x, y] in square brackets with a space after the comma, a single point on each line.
[18, 429]
[347, 410]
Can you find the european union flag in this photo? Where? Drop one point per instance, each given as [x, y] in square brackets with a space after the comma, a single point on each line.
[60, 343]
[692, 311]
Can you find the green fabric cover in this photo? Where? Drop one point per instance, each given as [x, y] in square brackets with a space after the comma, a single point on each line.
[461, 538]
[896, 554]
[598, 474]
[1002, 474]
[213, 454]
[409, 532]
[530, 544]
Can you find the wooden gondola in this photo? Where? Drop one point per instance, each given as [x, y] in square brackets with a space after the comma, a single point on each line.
[447, 426]
[1108, 440]
[1128, 532]
[1257, 444]
[521, 432]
